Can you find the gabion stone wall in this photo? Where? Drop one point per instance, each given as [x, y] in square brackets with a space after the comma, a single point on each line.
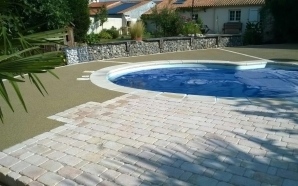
[72, 56]
[150, 46]
[176, 44]
[83, 51]
[204, 43]
[107, 51]
[144, 48]
[230, 41]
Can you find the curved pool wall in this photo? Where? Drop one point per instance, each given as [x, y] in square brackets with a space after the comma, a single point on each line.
[115, 74]
[104, 76]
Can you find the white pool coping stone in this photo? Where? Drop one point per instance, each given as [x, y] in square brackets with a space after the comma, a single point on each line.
[101, 77]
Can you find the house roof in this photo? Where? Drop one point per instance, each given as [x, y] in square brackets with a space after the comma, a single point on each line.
[205, 3]
[116, 7]
[135, 6]
[120, 8]
[160, 5]
[93, 7]
[216, 3]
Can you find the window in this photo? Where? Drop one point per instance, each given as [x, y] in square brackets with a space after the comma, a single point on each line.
[195, 17]
[235, 15]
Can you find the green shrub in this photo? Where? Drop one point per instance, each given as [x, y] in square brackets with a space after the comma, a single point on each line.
[252, 34]
[199, 22]
[147, 35]
[167, 20]
[104, 34]
[93, 38]
[191, 28]
[158, 33]
[137, 30]
[113, 32]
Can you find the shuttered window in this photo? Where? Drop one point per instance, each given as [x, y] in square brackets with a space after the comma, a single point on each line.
[235, 15]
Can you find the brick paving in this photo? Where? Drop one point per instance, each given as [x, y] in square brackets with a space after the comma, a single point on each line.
[157, 140]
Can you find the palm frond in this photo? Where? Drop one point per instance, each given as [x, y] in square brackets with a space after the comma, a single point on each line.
[38, 84]
[24, 55]
[4, 95]
[9, 77]
[6, 42]
[18, 92]
[51, 72]
[17, 54]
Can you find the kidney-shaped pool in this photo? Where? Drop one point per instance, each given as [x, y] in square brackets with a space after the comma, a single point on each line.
[271, 81]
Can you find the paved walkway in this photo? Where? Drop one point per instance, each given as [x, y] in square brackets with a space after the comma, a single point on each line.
[158, 140]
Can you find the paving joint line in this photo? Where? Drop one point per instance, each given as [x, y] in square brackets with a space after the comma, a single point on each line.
[243, 54]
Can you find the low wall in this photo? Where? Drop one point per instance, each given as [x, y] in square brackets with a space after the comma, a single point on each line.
[148, 46]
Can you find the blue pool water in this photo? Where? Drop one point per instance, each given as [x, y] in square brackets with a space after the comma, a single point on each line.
[264, 82]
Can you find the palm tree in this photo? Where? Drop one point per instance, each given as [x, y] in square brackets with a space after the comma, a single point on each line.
[22, 55]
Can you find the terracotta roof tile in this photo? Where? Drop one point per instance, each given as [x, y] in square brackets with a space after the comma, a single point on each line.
[207, 3]
[93, 11]
[214, 3]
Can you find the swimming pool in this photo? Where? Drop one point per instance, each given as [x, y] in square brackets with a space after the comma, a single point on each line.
[263, 80]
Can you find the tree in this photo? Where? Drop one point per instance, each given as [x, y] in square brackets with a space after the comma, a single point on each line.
[80, 18]
[102, 15]
[285, 25]
[167, 20]
[23, 55]
[42, 15]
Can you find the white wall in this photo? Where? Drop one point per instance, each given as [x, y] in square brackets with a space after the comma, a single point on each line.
[95, 28]
[214, 18]
[120, 21]
[136, 13]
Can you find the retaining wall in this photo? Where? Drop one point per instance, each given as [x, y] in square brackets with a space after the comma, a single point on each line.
[148, 46]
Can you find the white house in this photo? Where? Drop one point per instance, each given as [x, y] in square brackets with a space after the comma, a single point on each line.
[215, 13]
[120, 13]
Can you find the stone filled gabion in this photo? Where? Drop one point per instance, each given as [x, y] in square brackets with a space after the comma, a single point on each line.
[176, 45]
[152, 46]
[107, 51]
[203, 43]
[230, 41]
[72, 56]
[83, 54]
[144, 48]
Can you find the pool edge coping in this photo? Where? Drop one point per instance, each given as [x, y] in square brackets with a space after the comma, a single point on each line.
[100, 79]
